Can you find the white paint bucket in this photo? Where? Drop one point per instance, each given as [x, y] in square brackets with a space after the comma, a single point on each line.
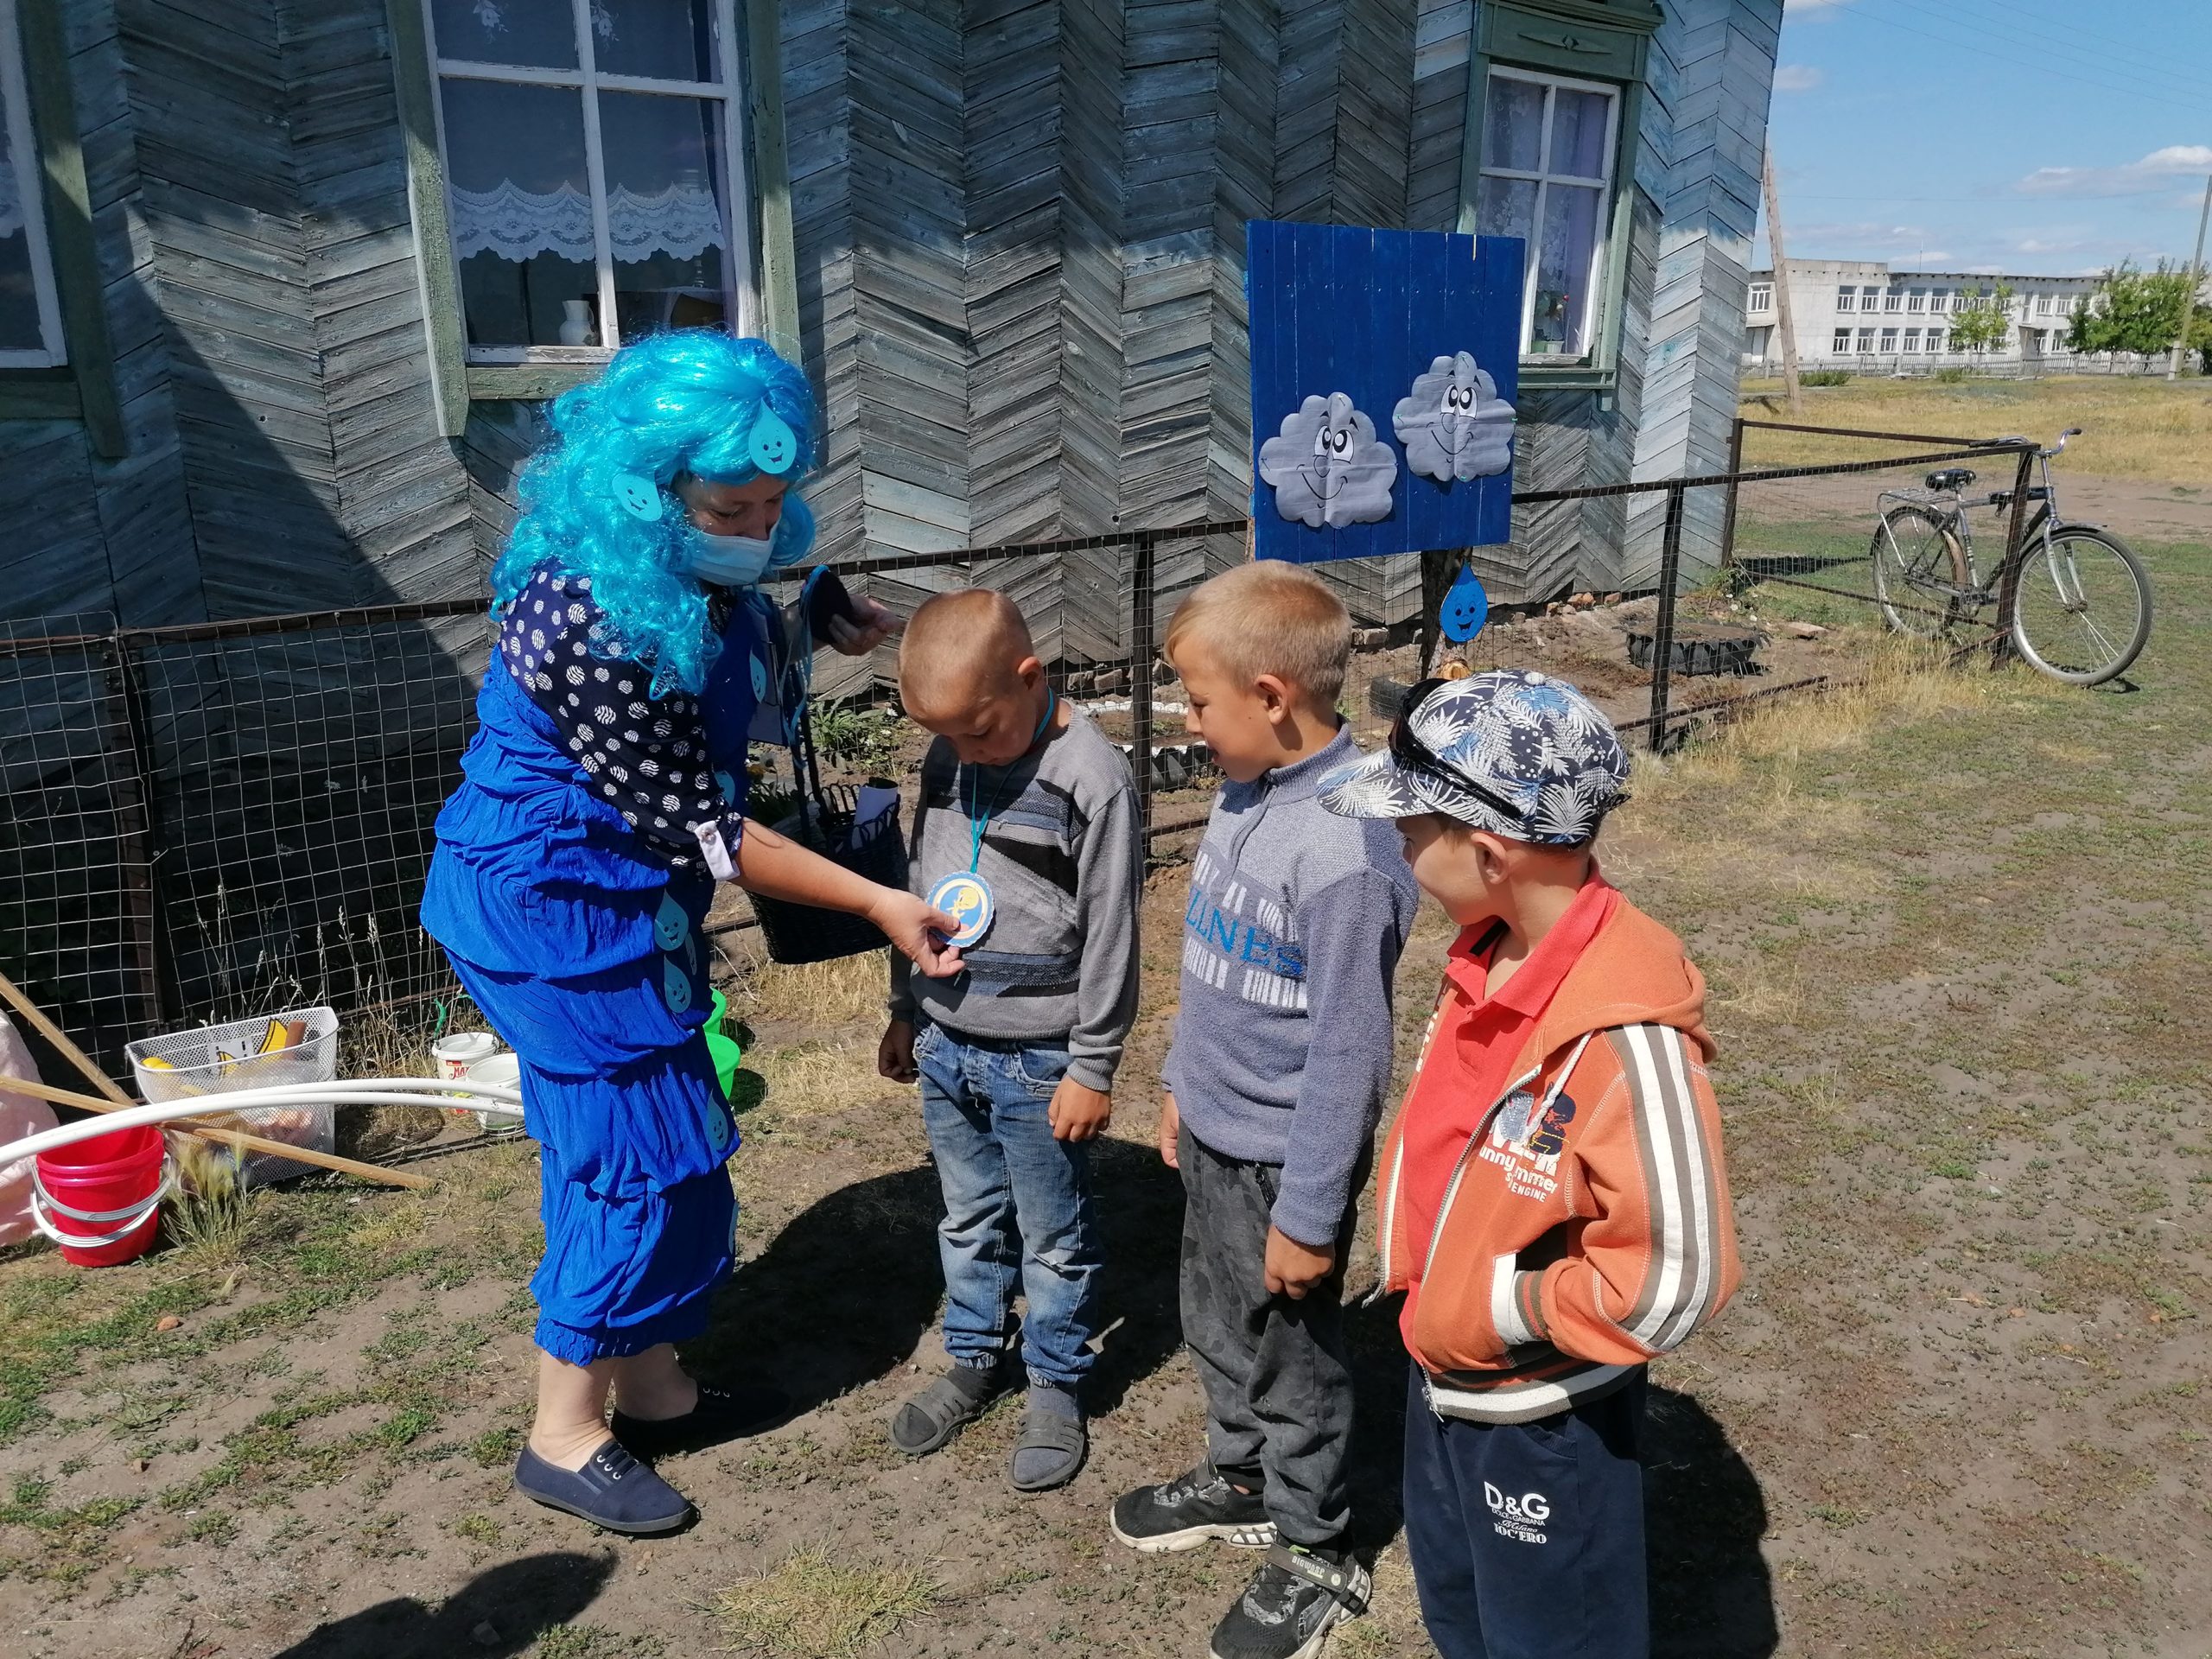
[457, 1051]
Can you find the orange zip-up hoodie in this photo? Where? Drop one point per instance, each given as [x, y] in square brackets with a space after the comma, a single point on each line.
[1584, 1224]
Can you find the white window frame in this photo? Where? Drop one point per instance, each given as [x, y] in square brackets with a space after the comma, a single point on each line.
[1847, 298]
[1761, 297]
[22, 155]
[1938, 340]
[1888, 342]
[741, 291]
[1893, 299]
[1938, 301]
[1841, 343]
[1915, 299]
[1912, 342]
[1544, 178]
[1865, 342]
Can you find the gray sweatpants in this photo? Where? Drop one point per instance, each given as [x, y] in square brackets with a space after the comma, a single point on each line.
[1278, 1383]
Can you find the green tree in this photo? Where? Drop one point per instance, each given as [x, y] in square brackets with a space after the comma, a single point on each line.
[1981, 320]
[2137, 311]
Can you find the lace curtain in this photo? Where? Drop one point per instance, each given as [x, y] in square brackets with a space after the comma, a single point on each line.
[683, 221]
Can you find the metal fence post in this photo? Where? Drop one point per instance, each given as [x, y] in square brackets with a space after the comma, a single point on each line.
[1141, 622]
[132, 788]
[1735, 485]
[2008, 580]
[1662, 641]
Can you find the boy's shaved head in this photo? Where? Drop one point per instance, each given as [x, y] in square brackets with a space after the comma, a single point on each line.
[959, 649]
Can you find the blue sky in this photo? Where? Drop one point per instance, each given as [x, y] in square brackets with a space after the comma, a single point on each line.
[2037, 136]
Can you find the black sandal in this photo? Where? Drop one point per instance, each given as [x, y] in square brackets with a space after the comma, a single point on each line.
[1048, 1431]
[948, 1405]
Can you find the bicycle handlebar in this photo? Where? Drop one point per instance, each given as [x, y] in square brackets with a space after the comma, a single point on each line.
[2053, 453]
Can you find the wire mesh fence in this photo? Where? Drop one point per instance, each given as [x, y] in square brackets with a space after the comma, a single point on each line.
[211, 821]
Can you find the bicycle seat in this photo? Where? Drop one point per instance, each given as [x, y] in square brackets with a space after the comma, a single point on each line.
[1950, 479]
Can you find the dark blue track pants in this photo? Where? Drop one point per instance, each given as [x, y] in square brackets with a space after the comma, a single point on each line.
[1527, 1539]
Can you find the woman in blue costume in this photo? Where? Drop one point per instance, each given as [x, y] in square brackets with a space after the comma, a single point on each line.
[603, 797]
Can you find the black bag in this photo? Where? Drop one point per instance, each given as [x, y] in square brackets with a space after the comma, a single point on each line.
[823, 824]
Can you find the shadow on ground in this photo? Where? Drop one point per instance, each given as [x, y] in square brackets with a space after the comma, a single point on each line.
[499, 1613]
[848, 1290]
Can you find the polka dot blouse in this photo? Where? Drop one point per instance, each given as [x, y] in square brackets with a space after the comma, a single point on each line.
[645, 756]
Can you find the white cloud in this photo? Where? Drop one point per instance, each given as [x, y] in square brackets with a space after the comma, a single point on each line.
[1800, 6]
[1797, 78]
[2160, 166]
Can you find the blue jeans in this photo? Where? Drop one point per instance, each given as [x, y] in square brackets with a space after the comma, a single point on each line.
[1017, 1203]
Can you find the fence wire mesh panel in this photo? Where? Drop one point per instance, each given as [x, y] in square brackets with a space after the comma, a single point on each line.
[77, 912]
[209, 822]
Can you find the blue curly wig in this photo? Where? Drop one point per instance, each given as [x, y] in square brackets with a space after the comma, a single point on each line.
[681, 402]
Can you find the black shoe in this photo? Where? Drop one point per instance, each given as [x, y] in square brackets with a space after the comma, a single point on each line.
[1184, 1513]
[947, 1405]
[1288, 1610]
[613, 1490]
[722, 1414]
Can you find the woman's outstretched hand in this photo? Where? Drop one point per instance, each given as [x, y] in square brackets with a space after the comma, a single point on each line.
[919, 931]
[876, 624]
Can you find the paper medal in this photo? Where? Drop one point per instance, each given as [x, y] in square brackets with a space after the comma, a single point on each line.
[967, 899]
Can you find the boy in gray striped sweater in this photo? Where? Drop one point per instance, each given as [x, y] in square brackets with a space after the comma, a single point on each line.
[1026, 832]
[1275, 1076]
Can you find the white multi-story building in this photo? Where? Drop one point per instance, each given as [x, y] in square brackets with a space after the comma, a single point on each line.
[1858, 313]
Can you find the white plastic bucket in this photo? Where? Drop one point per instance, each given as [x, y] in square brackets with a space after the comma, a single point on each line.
[502, 1070]
[457, 1051]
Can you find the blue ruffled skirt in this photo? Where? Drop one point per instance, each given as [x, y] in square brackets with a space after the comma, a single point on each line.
[586, 955]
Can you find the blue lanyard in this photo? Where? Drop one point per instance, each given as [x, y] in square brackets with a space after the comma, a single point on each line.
[977, 822]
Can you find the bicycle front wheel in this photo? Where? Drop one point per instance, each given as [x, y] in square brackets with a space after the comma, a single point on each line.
[1919, 568]
[2084, 607]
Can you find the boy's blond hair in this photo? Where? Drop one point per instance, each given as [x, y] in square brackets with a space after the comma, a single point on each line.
[960, 648]
[1270, 618]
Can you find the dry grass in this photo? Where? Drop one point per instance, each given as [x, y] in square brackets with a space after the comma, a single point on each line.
[848, 992]
[818, 1603]
[2136, 428]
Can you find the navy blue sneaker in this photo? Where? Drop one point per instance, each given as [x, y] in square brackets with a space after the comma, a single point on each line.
[722, 1414]
[613, 1490]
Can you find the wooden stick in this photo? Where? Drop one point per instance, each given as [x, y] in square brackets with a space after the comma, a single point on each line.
[237, 1138]
[116, 1098]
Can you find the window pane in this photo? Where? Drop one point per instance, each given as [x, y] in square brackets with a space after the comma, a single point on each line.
[1513, 124]
[521, 223]
[19, 329]
[1565, 268]
[1506, 207]
[667, 209]
[1578, 134]
[671, 40]
[538, 33]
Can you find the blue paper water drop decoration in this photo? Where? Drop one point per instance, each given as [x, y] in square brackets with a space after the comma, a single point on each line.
[1466, 608]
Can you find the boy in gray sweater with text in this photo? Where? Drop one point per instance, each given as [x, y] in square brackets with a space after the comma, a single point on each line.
[1275, 1077]
[1026, 833]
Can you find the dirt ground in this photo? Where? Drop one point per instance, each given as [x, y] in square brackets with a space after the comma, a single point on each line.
[1956, 926]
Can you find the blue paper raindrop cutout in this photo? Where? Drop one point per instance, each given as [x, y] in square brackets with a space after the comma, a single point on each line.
[1466, 608]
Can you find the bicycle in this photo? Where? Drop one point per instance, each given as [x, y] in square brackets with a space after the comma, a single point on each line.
[2081, 610]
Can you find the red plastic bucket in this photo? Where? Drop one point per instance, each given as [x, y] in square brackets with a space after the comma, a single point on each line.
[97, 1198]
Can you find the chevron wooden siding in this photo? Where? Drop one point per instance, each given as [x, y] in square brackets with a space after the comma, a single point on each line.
[1020, 230]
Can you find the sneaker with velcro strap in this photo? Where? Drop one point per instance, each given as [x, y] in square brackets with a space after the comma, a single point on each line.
[1287, 1610]
[1197, 1506]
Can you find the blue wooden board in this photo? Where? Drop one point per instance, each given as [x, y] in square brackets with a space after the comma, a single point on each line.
[1341, 309]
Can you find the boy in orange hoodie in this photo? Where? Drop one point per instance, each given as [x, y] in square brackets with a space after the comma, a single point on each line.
[1554, 1201]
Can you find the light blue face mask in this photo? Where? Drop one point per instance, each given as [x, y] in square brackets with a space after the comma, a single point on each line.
[727, 561]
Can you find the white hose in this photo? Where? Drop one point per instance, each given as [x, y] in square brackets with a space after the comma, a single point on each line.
[495, 1099]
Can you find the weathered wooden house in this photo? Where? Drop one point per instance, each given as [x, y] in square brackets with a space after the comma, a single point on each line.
[283, 281]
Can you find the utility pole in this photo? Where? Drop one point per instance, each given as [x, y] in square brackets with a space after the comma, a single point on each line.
[2196, 282]
[1783, 322]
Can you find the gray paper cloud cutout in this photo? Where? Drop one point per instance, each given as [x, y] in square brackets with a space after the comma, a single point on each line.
[1327, 466]
[1453, 423]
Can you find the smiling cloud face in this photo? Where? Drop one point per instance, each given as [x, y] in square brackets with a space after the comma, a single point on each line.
[1453, 423]
[1327, 466]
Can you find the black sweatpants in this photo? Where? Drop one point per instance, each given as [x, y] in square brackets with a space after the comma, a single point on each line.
[1278, 1383]
[1527, 1539]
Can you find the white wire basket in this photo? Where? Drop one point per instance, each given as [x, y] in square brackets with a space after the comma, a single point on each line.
[214, 1059]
